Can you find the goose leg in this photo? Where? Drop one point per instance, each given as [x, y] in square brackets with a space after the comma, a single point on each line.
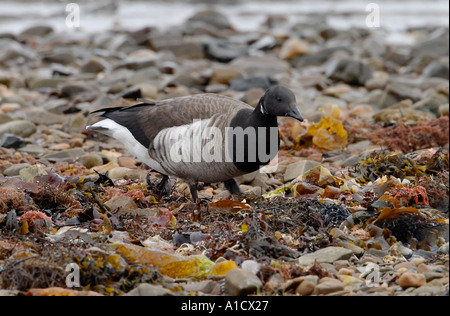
[232, 187]
[161, 186]
[194, 193]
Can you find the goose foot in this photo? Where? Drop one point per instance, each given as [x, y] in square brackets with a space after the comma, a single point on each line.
[161, 187]
[232, 187]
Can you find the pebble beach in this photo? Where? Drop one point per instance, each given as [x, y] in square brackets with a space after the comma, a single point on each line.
[355, 205]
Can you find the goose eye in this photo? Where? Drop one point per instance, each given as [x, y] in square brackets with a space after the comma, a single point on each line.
[279, 99]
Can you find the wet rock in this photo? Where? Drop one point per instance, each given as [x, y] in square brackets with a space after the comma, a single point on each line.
[14, 170]
[11, 141]
[94, 65]
[37, 83]
[274, 282]
[63, 57]
[240, 282]
[121, 205]
[72, 89]
[350, 71]
[396, 92]
[66, 155]
[319, 57]
[430, 103]
[177, 45]
[223, 75]
[146, 289]
[126, 162]
[244, 84]
[77, 123]
[329, 286]
[263, 66]
[20, 128]
[207, 287]
[9, 107]
[443, 109]
[212, 18]
[325, 255]
[293, 47]
[223, 51]
[38, 115]
[434, 45]
[90, 160]
[305, 288]
[408, 280]
[38, 31]
[4, 118]
[299, 168]
[27, 174]
[436, 69]
[12, 50]
[400, 112]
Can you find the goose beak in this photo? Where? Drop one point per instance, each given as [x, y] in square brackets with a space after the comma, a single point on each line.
[294, 113]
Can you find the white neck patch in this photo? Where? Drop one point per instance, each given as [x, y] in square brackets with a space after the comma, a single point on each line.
[262, 108]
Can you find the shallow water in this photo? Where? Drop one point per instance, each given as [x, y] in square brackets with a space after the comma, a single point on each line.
[98, 16]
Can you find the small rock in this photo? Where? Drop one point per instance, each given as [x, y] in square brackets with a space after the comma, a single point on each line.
[27, 174]
[222, 75]
[431, 275]
[260, 66]
[207, 287]
[361, 111]
[121, 205]
[90, 160]
[274, 282]
[11, 141]
[77, 124]
[325, 255]
[305, 288]
[407, 280]
[223, 51]
[9, 107]
[244, 84]
[126, 162]
[5, 118]
[148, 91]
[299, 168]
[436, 69]
[40, 116]
[71, 89]
[38, 31]
[349, 70]
[240, 282]
[119, 173]
[66, 155]
[94, 65]
[212, 18]
[62, 146]
[146, 289]
[329, 286]
[14, 170]
[293, 47]
[443, 110]
[37, 83]
[19, 128]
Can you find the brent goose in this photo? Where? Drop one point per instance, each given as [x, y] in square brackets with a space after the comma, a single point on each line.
[201, 138]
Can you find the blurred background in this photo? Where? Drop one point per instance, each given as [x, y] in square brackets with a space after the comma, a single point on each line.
[245, 15]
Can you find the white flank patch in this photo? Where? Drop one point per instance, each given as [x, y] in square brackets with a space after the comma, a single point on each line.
[123, 135]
